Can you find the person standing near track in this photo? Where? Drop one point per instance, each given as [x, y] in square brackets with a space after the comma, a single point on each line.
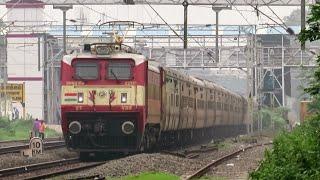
[42, 127]
[36, 125]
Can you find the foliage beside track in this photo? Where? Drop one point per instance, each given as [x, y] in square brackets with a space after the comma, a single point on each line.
[19, 129]
[272, 119]
[296, 155]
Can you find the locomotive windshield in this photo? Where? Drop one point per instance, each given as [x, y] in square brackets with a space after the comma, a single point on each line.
[119, 70]
[86, 70]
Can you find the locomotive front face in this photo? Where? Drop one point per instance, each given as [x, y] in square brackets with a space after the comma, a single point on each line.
[103, 103]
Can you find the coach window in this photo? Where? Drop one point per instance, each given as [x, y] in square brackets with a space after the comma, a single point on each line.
[119, 70]
[156, 93]
[86, 70]
[172, 100]
[177, 100]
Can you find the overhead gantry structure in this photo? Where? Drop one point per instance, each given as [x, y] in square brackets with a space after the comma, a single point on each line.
[174, 2]
[217, 5]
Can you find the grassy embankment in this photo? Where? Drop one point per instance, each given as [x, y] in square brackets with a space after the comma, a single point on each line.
[19, 129]
[295, 155]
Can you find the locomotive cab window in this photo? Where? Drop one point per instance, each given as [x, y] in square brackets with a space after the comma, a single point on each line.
[119, 70]
[86, 70]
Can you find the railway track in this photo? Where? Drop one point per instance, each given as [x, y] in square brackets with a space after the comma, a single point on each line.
[18, 148]
[27, 140]
[65, 170]
[190, 154]
[46, 169]
[34, 167]
[214, 163]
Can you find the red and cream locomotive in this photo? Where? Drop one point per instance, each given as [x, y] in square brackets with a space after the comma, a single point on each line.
[115, 100]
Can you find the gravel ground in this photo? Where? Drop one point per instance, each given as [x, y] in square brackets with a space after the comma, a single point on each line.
[136, 164]
[240, 167]
[15, 159]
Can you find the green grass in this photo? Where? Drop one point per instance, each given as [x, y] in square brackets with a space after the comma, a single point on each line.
[151, 175]
[224, 145]
[19, 129]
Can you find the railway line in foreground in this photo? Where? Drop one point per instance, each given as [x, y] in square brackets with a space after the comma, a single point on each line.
[18, 148]
[47, 169]
[204, 169]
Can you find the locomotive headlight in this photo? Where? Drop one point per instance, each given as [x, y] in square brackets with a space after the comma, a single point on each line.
[80, 97]
[123, 97]
[127, 127]
[75, 127]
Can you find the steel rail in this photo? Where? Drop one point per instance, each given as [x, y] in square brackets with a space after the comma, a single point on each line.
[179, 154]
[202, 150]
[207, 167]
[27, 140]
[61, 172]
[15, 149]
[190, 154]
[34, 167]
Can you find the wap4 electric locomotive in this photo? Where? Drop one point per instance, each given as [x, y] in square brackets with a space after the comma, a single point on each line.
[115, 100]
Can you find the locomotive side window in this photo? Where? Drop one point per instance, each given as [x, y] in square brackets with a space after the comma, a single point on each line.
[86, 70]
[119, 70]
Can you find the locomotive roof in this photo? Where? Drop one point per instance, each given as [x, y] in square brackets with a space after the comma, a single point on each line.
[154, 66]
[138, 58]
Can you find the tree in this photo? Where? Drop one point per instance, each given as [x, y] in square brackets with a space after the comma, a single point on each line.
[312, 33]
[294, 18]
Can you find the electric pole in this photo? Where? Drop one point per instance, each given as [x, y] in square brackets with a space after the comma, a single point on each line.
[217, 9]
[303, 20]
[64, 9]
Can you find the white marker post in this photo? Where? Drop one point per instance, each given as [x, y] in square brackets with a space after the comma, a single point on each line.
[36, 146]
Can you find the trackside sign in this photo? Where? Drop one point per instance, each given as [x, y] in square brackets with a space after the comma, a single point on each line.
[15, 91]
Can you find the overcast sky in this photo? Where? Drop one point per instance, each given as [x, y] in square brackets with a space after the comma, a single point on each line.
[172, 14]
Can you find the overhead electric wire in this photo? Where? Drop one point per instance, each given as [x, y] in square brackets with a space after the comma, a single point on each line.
[103, 14]
[151, 18]
[1, 19]
[175, 31]
[164, 21]
[276, 15]
[288, 30]
[240, 13]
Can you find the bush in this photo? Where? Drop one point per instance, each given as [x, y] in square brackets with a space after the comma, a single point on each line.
[272, 118]
[295, 155]
[19, 129]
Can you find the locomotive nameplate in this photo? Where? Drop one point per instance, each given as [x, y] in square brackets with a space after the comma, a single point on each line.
[126, 108]
[130, 83]
[74, 83]
[78, 108]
